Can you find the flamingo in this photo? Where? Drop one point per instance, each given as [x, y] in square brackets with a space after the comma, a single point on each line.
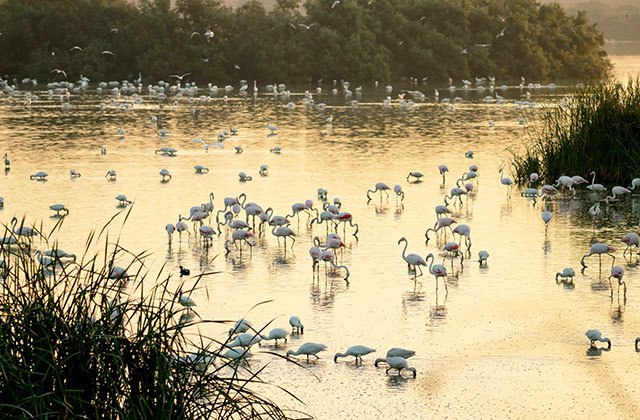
[296, 325]
[618, 273]
[599, 188]
[416, 175]
[506, 181]
[264, 170]
[483, 256]
[7, 161]
[464, 231]
[240, 326]
[546, 218]
[455, 192]
[566, 274]
[380, 186]
[206, 233]
[182, 227]
[236, 354]
[630, 239]
[395, 352]
[443, 170]
[596, 335]
[58, 208]
[346, 217]
[244, 177]
[328, 256]
[111, 175]
[186, 301]
[164, 173]
[355, 351]
[201, 169]
[322, 194]
[398, 190]
[442, 223]
[635, 183]
[308, 349]
[442, 210]
[414, 261]
[599, 248]
[616, 191]
[284, 232]
[122, 200]
[276, 334]
[237, 236]
[74, 174]
[40, 176]
[437, 270]
[399, 363]
[316, 253]
[245, 340]
[566, 182]
[170, 228]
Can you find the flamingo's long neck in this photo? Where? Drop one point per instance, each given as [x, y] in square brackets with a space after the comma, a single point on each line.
[593, 179]
[404, 250]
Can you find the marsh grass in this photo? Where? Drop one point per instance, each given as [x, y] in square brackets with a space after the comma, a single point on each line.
[76, 343]
[597, 130]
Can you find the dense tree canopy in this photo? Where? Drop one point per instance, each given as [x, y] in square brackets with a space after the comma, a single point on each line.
[297, 41]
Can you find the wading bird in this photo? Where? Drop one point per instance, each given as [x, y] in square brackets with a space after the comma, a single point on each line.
[596, 335]
[307, 349]
[355, 351]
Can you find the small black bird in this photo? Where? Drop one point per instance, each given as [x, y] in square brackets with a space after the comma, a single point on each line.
[184, 271]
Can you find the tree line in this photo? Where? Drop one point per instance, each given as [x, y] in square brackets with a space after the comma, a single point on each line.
[297, 40]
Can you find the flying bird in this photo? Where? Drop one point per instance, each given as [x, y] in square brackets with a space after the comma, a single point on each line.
[501, 33]
[76, 48]
[107, 52]
[335, 3]
[180, 77]
[58, 71]
[307, 27]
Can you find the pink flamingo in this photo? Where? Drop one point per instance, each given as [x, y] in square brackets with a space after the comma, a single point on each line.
[618, 272]
[380, 186]
[443, 222]
[631, 239]
[599, 248]
[238, 236]
[437, 270]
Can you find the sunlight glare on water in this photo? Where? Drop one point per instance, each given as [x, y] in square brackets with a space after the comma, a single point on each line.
[506, 341]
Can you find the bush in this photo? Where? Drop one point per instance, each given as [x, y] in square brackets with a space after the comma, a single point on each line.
[597, 130]
[77, 342]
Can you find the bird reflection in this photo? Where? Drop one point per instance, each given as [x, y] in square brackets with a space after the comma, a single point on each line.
[616, 310]
[594, 351]
[438, 312]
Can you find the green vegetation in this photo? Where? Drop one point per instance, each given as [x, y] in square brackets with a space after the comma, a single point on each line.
[351, 39]
[76, 342]
[598, 130]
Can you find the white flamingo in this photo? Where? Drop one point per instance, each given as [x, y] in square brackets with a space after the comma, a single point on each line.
[355, 351]
[599, 188]
[567, 274]
[399, 364]
[296, 324]
[395, 352]
[506, 181]
[170, 229]
[596, 335]
[414, 261]
[308, 349]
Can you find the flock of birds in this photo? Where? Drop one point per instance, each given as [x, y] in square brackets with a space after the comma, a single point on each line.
[241, 221]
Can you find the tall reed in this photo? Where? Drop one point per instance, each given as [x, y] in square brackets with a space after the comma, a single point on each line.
[598, 129]
[76, 342]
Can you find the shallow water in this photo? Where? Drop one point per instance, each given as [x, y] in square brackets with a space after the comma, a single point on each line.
[506, 341]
